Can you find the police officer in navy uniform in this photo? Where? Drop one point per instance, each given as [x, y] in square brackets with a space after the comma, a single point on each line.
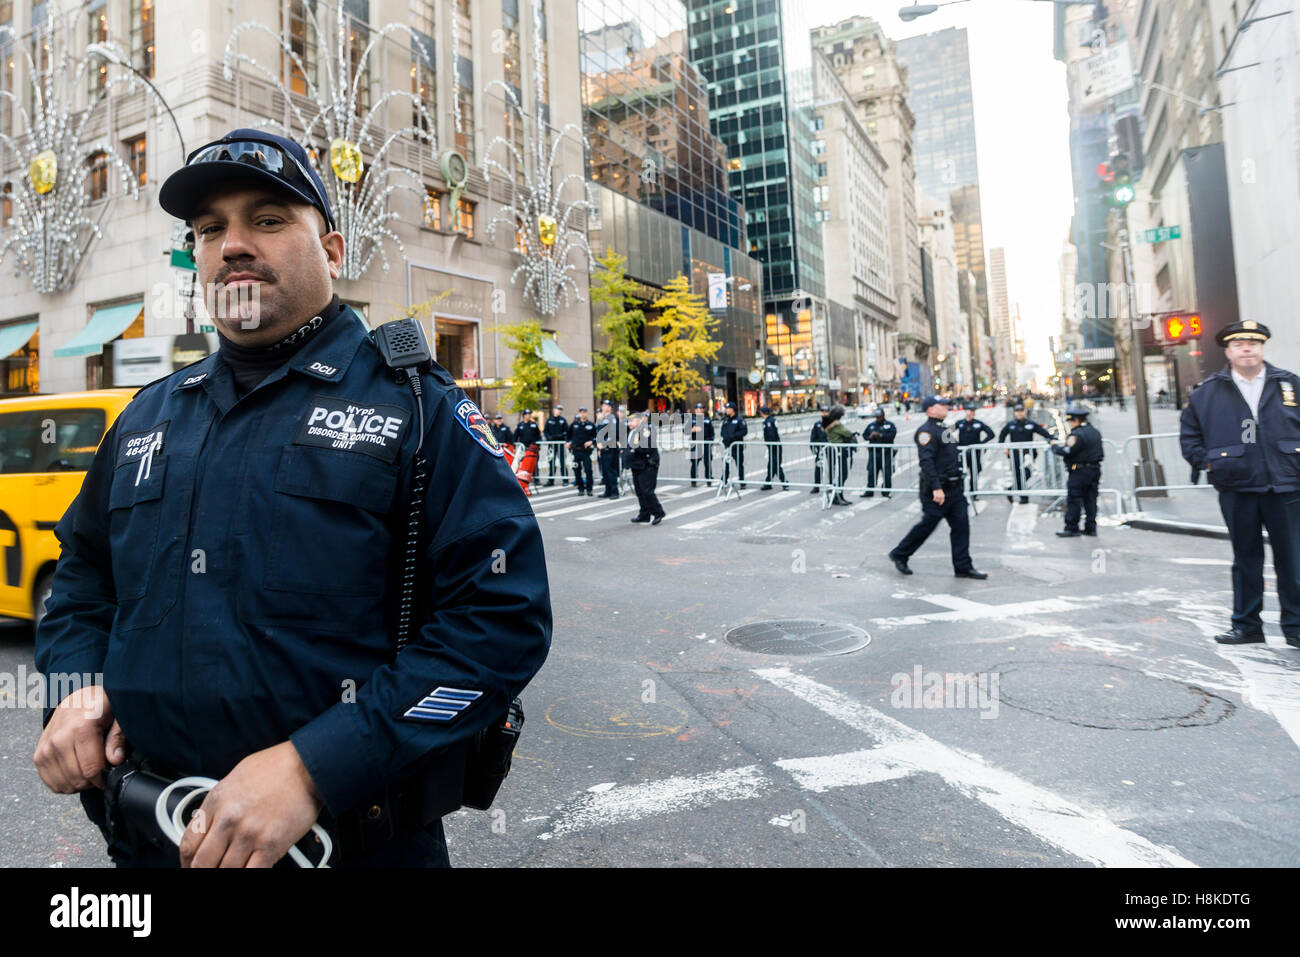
[772, 438]
[582, 442]
[972, 431]
[526, 432]
[700, 438]
[228, 565]
[501, 432]
[941, 493]
[608, 444]
[641, 458]
[1021, 428]
[880, 462]
[1241, 426]
[1083, 453]
[818, 440]
[734, 431]
[556, 432]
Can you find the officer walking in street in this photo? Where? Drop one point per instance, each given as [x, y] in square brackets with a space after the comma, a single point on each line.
[582, 442]
[1241, 426]
[642, 459]
[608, 444]
[734, 431]
[556, 432]
[230, 563]
[817, 442]
[880, 462]
[972, 431]
[1021, 428]
[700, 439]
[501, 431]
[939, 460]
[1083, 453]
[772, 438]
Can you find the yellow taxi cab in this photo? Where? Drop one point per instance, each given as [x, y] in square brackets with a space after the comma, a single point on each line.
[47, 443]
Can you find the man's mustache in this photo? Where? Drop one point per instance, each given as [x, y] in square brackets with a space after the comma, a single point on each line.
[265, 273]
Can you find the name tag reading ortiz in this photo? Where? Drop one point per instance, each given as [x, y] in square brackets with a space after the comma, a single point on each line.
[333, 423]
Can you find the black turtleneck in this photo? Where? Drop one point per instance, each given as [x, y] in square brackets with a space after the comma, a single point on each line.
[251, 365]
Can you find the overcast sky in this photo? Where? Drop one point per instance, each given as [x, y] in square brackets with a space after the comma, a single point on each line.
[1022, 133]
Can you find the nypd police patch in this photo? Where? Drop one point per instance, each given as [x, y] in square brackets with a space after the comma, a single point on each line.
[476, 424]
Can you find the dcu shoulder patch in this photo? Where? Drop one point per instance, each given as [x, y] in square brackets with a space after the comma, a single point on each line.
[476, 424]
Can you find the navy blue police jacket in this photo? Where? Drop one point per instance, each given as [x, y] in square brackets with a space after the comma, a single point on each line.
[885, 432]
[733, 429]
[1082, 446]
[1217, 435]
[230, 567]
[973, 432]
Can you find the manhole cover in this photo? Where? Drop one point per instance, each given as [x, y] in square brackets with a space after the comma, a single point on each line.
[1107, 697]
[798, 636]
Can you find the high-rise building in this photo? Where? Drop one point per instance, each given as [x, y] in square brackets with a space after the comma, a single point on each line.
[952, 337]
[659, 175]
[854, 211]
[866, 62]
[943, 141]
[1000, 320]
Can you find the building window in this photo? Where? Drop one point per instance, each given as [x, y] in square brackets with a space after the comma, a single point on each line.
[21, 371]
[433, 209]
[302, 43]
[464, 67]
[521, 238]
[424, 89]
[818, 147]
[465, 217]
[142, 45]
[819, 123]
[821, 170]
[135, 150]
[96, 32]
[6, 205]
[358, 38]
[97, 179]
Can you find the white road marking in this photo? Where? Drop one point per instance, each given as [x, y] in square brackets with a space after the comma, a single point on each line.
[632, 802]
[753, 499]
[1085, 833]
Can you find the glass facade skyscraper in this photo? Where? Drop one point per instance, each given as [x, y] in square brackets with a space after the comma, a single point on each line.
[757, 59]
[939, 95]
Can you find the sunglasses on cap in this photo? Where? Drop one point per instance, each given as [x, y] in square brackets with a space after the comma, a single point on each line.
[264, 156]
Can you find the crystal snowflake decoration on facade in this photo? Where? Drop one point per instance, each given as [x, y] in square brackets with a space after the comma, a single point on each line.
[536, 211]
[339, 132]
[53, 152]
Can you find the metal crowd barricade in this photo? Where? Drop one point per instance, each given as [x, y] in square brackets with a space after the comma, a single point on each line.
[1166, 449]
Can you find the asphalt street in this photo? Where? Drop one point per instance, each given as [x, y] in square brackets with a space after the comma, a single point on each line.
[1071, 710]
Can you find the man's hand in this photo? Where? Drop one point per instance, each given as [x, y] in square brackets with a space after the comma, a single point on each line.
[937, 494]
[80, 742]
[254, 814]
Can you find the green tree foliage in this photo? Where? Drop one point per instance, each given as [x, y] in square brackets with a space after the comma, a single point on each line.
[686, 341]
[530, 375]
[616, 368]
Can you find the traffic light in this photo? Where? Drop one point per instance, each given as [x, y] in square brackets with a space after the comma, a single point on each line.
[1120, 192]
[1180, 328]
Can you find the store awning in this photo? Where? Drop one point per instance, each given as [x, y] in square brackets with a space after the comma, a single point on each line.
[555, 356]
[13, 338]
[105, 325]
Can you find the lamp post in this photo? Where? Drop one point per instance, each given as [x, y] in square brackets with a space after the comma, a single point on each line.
[907, 14]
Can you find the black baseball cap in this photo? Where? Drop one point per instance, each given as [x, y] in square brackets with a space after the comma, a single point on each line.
[699, 405]
[248, 155]
[930, 400]
[731, 405]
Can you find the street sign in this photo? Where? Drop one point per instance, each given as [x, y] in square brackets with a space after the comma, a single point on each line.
[1106, 74]
[183, 259]
[1161, 234]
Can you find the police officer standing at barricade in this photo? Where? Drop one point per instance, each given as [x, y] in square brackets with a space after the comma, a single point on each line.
[1083, 453]
[700, 437]
[609, 444]
[941, 493]
[972, 431]
[526, 432]
[556, 432]
[734, 431]
[501, 432]
[818, 442]
[880, 462]
[1242, 428]
[582, 442]
[229, 564]
[642, 458]
[1021, 429]
[772, 438]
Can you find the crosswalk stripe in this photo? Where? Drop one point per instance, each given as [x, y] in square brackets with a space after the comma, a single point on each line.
[754, 500]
